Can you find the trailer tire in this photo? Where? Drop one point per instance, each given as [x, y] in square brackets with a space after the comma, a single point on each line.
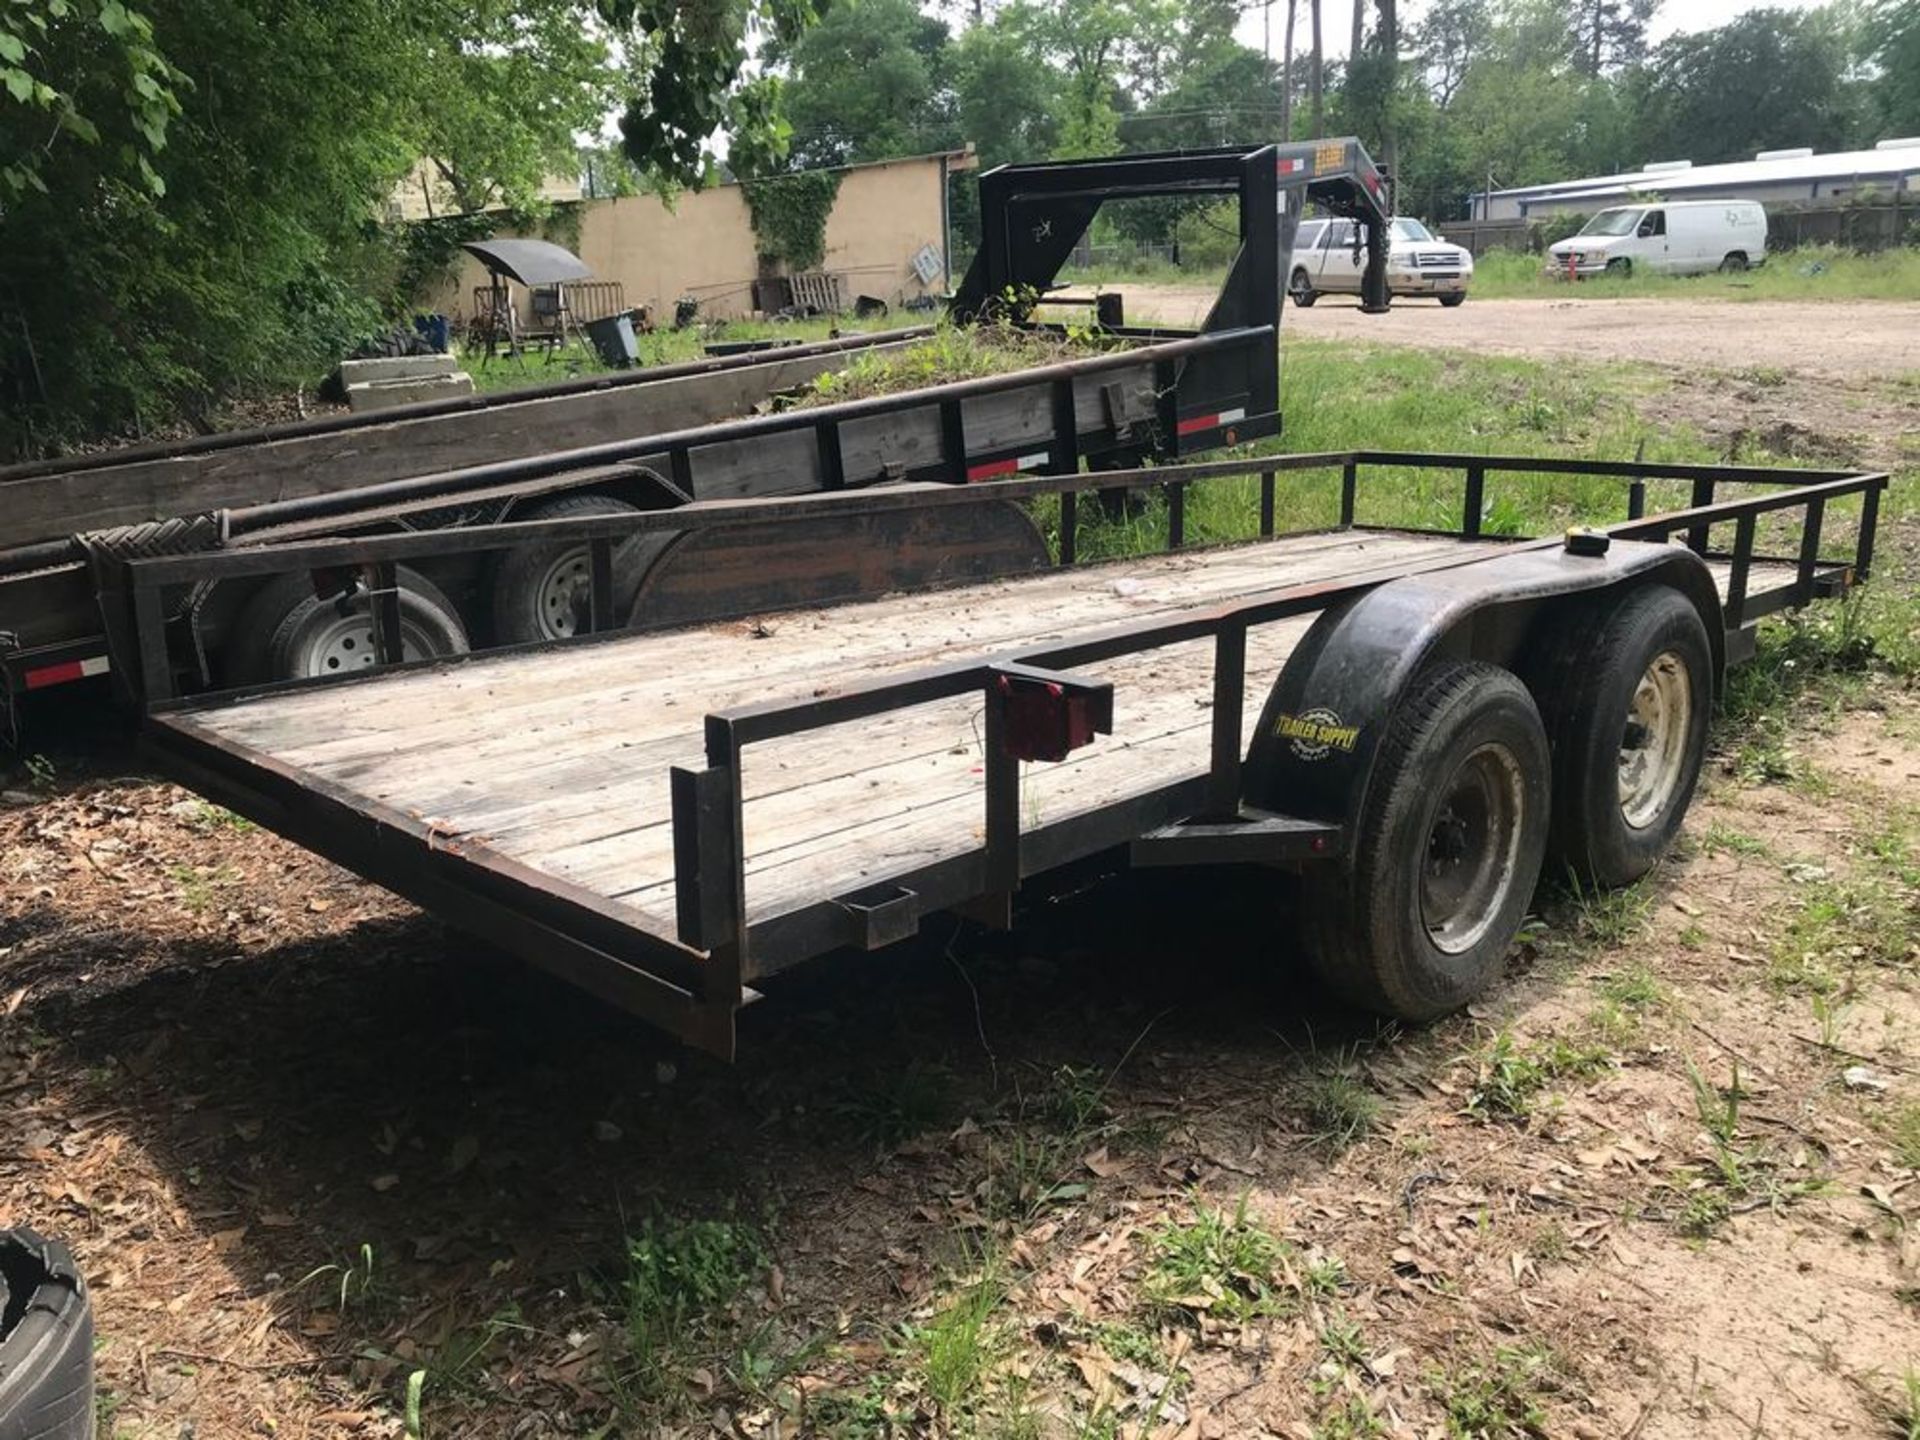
[1300, 287]
[1637, 682]
[286, 632]
[539, 591]
[1452, 834]
[46, 1342]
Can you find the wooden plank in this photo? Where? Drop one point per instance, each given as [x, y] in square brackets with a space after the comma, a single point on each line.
[51, 506]
[554, 694]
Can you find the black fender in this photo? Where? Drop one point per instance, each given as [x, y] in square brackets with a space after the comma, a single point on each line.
[1312, 754]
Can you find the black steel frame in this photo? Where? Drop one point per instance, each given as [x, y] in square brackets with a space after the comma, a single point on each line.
[678, 453]
[691, 983]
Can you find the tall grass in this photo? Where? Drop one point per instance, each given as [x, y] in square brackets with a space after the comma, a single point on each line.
[1813, 273]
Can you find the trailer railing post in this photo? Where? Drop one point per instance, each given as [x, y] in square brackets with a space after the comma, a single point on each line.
[1869, 521]
[1069, 526]
[1064, 454]
[833, 468]
[953, 438]
[1003, 797]
[1809, 551]
[1176, 516]
[600, 583]
[1637, 499]
[382, 579]
[1266, 504]
[1736, 604]
[1349, 488]
[1474, 503]
[150, 634]
[1229, 692]
[1703, 488]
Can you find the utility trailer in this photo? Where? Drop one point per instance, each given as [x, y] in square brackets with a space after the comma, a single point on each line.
[1154, 394]
[1414, 720]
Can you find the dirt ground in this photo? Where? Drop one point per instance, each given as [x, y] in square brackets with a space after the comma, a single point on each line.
[1835, 341]
[1121, 1173]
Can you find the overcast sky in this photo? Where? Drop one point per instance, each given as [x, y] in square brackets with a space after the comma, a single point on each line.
[1336, 18]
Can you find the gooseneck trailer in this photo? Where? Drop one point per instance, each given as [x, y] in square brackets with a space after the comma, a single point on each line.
[661, 439]
[859, 671]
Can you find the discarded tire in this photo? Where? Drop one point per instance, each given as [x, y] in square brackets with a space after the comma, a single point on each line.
[46, 1342]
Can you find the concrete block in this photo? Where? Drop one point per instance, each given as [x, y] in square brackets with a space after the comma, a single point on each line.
[395, 367]
[385, 394]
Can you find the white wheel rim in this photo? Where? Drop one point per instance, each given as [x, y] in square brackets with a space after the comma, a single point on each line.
[563, 594]
[1473, 848]
[1653, 744]
[346, 644]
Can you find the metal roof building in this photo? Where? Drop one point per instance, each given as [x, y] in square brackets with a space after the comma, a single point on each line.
[1773, 177]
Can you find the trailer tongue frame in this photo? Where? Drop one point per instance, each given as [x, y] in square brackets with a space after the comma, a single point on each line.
[1236, 794]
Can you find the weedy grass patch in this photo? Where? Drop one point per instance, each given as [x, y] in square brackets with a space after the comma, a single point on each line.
[1814, 272]
[1510, 1078]
[1221, 1263]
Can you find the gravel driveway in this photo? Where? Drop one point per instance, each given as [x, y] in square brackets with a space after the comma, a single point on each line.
[1837, 339]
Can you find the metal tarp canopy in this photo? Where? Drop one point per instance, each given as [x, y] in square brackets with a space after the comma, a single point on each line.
[531, 262]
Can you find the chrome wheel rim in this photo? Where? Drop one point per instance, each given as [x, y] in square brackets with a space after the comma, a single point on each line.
[1653, 744]
[563, 595]
[1473, 847]
[345, 644]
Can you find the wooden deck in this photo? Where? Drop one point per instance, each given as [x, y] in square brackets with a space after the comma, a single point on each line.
[559, 760]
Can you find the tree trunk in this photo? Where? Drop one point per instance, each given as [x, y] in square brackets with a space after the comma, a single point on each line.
[1314, 99]
[1359, 31]
[1286, 76]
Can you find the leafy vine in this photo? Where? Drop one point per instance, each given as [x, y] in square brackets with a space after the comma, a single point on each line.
[789, 216]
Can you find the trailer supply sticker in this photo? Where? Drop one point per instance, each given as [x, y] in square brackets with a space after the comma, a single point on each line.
[1316, 733]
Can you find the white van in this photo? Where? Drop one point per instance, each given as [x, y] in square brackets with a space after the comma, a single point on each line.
[1683, 237]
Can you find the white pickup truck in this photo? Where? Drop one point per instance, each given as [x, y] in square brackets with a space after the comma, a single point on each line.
[1327, 261]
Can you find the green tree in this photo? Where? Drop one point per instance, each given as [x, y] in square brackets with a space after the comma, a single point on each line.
[1111, 54]
[871, 80]
[141, 284]
[1892, 36]
[81, 73]
[687, 77]
[494, 125]
[1767, 78]
[1005, 94]
[1610, 33]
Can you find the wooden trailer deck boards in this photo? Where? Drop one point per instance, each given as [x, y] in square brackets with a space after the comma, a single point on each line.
[559, 761]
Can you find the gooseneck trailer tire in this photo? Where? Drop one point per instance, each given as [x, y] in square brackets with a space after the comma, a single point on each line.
[286, 632]
[1629, 728]
[540, 592]
[46, 1342]
[1451, 839]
